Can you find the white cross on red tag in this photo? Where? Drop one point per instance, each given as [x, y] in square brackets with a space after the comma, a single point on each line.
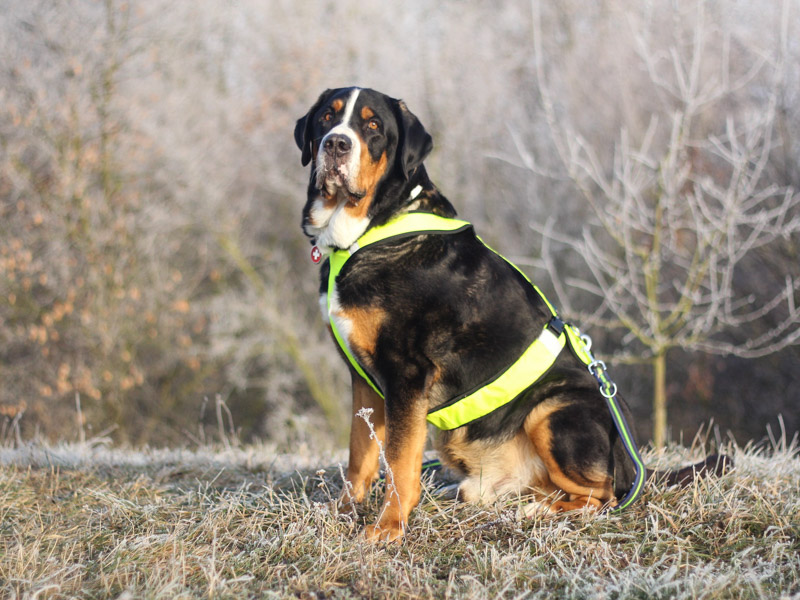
[316, 255]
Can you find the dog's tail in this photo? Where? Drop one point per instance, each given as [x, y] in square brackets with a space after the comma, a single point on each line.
[715, 464]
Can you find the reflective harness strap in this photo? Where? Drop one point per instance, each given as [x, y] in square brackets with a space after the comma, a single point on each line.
[527, 370]
[532, 365]
[337, 260]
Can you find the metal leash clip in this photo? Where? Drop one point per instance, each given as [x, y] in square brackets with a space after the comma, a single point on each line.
[607, 387]
[597, 367]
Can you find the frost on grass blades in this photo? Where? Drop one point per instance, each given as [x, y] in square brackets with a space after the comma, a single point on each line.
[88, 519]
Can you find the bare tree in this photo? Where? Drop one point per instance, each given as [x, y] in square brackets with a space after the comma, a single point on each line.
[681, 207]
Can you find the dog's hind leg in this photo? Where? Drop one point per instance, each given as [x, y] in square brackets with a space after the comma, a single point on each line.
[576, 454]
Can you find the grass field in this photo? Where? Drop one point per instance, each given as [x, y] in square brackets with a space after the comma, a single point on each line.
[92, 521]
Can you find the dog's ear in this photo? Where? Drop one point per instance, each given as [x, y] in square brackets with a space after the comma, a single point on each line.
[415, 142]
[302, 131]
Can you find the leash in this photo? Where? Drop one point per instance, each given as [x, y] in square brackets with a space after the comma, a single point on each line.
[608, 389]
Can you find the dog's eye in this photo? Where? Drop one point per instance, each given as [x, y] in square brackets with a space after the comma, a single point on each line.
[327, 115]
[374, 124]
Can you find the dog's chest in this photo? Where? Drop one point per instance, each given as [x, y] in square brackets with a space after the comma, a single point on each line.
[336, 226]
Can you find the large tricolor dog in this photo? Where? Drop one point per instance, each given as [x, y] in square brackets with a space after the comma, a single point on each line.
[438, 328]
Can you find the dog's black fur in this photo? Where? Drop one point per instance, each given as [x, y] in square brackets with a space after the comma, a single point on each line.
[434, 316]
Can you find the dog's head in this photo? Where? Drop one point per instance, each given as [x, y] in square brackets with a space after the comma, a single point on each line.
[365, 149]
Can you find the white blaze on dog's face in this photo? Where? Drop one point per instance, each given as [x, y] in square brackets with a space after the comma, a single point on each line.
[338, 163]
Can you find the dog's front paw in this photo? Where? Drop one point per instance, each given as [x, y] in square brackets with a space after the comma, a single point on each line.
[383, 532]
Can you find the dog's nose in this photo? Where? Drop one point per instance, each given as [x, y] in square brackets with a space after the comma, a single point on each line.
[337, 144]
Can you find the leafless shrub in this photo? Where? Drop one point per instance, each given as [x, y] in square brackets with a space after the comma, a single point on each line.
[681, 203]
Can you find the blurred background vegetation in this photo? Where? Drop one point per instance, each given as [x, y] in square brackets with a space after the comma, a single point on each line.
[154, 282]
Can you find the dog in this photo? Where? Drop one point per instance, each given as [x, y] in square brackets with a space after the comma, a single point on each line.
[426, 317]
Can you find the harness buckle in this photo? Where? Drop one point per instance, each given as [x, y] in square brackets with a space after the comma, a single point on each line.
[556, 326]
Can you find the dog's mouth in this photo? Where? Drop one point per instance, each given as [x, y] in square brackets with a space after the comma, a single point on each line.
[336, 185]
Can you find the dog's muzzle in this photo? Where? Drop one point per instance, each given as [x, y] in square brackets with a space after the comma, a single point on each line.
[337, 168]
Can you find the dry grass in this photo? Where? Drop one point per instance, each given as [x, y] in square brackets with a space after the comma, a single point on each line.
[89, 521]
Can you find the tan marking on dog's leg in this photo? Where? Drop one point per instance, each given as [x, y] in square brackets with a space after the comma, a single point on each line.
[404, 447]
[363, 464]
[576, 503]
[591, 489]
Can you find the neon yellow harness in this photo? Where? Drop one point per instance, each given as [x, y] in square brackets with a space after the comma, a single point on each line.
[524, 372]
[534, 362]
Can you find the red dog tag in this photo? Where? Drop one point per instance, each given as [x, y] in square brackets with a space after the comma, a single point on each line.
[316, 255]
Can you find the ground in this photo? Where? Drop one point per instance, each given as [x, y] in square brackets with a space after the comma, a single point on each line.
[92, 521]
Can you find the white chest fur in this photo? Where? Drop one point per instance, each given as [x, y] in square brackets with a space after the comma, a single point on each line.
[335, 227]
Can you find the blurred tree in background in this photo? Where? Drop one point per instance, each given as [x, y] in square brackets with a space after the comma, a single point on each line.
[152, 269]
[680, 208]
[128, 167]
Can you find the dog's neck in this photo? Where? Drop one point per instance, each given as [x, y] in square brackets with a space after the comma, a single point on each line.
[419, 193]
[339, 228]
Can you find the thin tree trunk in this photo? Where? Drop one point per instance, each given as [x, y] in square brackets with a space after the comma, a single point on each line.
[659, 399]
